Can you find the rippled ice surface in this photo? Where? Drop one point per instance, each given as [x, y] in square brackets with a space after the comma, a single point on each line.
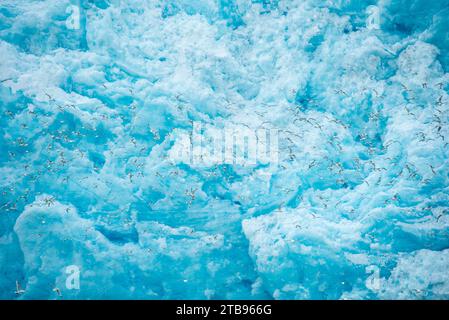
[357, 206]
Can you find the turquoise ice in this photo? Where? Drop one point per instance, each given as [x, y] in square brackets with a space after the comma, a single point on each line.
[96, 95]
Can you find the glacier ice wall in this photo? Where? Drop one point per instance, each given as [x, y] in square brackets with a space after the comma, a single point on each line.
[356, 208]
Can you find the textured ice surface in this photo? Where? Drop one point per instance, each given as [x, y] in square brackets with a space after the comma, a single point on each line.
[357, 206]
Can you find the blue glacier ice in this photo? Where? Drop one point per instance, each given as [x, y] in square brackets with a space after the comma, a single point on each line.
[95, 96]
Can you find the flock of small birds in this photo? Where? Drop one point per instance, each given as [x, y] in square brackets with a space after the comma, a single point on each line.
[63, 148]
[58, 156]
